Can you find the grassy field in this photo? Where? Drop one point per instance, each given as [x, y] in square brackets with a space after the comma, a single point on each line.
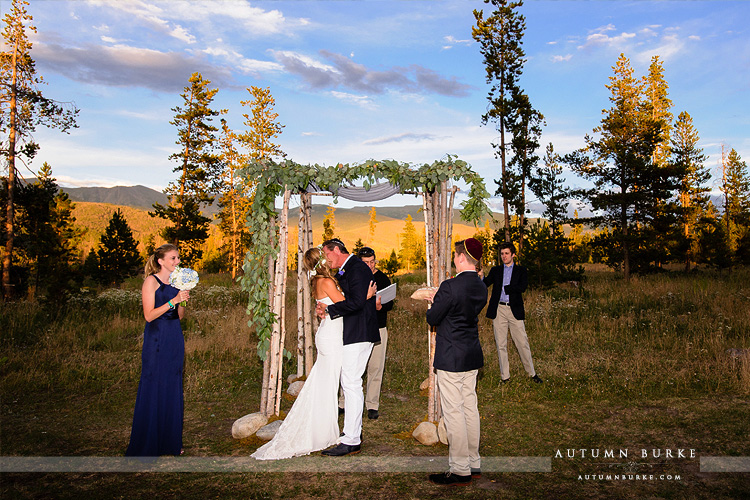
[646, 365]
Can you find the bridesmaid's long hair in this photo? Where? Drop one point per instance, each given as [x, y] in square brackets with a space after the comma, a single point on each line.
[315, 260]
[152, 264]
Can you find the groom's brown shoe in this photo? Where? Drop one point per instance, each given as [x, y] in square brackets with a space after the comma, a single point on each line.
[342, 449]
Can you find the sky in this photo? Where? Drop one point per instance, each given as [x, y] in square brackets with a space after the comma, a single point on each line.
[355, 80]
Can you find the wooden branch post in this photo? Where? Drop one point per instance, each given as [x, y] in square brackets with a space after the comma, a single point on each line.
[276, 349]
[301, 278]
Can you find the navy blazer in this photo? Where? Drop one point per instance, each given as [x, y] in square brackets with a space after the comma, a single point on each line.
[519, 280]
[455, 311]
[360, 314]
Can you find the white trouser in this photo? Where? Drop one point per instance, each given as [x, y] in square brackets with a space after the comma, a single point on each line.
[352, 368]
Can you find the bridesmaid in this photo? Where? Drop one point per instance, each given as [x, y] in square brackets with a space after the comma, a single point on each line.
[157, 419]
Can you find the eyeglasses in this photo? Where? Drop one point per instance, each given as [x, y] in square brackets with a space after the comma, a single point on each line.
[366, 252]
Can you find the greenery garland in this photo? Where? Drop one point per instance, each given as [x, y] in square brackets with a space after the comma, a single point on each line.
[270, 179]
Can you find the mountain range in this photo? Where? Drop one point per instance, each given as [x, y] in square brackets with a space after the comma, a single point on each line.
[95, 205]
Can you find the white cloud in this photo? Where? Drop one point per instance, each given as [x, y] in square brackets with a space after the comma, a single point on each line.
[451, 41]
[565, 58]
[360, 100]
[670, 45]
[181, 33]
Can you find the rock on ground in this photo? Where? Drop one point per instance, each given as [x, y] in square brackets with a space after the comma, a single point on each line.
[267, 432]
[426, 433]
[248, 425]
[295, 387]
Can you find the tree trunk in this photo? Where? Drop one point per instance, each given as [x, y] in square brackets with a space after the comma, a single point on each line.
[301, 277]
[10, 209]
[310, 318]
[283, 257]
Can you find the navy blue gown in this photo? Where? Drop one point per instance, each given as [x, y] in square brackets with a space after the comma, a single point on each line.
[157, 420]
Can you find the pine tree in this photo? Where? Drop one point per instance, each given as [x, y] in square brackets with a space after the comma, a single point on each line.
[656, 91]
[500, 38]
[329, 223]
[23, 108]
[117, 255]
[736, 189]
[628, 187]
[199, 171]
[235, 200]
[255, 143]
[358, 245]
[484, 236]
[526, 129]
[263, 126]
[689, 159]
[47, 236]
[391, 265]
[549, 187]
[410, 245]
[661, 233]
[373, 221]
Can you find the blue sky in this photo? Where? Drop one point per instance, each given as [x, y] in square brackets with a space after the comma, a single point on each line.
[368, 79]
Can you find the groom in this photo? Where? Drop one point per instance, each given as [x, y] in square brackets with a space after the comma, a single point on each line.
[360, 332]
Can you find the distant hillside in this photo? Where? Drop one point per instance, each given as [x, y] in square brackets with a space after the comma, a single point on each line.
[130, 196]
[351, 224]
[94, 218]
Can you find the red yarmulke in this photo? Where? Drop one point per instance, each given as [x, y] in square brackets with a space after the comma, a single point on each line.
[474, 248]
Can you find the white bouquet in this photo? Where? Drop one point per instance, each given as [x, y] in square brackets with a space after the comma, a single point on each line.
[183, 278]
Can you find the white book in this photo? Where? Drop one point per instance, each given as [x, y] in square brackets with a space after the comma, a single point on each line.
[387, 294]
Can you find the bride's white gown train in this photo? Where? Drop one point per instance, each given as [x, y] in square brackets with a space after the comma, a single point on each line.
[312, 423]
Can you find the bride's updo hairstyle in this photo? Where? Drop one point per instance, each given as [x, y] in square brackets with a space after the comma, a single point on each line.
[317, 266]
[152, 264]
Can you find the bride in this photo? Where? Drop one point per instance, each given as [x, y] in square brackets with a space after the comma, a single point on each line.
[312, 423]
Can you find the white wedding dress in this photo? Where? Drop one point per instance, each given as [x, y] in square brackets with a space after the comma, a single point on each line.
[312, 423]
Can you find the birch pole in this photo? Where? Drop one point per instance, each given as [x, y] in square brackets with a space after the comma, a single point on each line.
[276, 350]
[429, 250]
[309, 311]
[301, 277]
[282, 269]
[267, 362]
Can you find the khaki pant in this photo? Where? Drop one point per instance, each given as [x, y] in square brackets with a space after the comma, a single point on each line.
[500, 325]
[458, 399]
[375, 368]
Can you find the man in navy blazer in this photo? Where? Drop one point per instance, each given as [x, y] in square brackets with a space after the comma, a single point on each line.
[360, 332]
[458, 357]
[508, 282]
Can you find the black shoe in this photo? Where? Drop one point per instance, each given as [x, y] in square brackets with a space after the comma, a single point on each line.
[341, 411]
[449, 479]
[476, 473]
[505, 380]
[342, 449]
[536, 379]
[373, 414]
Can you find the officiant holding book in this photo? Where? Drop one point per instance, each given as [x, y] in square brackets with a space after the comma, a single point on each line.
[376, 364]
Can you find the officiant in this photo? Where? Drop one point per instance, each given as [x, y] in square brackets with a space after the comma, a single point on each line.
[376, 364]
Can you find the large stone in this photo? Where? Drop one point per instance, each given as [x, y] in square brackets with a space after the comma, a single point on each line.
[442, 431]
[267, 432]
[295, 387]
[248, 425]
[426, 433]
[291, 378]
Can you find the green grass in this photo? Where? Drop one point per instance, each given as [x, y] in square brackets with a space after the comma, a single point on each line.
[639, 365]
